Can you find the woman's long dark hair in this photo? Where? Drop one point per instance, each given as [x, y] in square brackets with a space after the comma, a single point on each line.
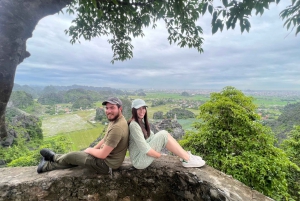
[135, 118]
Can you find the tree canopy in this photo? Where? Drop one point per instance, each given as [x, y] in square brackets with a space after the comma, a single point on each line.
[291, 15]
[124, 20]
[231, 138]
[21, 99]
[289, 117]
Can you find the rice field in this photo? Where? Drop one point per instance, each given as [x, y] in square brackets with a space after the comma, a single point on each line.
[56, 124]
[81, 139]
[76, 127]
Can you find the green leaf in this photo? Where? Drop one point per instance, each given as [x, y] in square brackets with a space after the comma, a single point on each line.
[99, 13]
[225, 2]
[214, 17]
[214, 28]
[210, 9]
[298, 30]
[94, 3]
[115, 2]
[288, 25]
[220, 24]
[204, 8]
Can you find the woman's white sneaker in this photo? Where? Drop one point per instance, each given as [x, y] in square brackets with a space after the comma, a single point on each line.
[195, 161]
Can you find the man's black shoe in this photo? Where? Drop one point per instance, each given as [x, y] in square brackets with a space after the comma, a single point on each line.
[41, 165]
[47, 154]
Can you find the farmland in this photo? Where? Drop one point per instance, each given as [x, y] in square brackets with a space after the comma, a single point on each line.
[80, 128]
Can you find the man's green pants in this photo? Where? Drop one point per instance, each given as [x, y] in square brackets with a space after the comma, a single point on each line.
[77, 158]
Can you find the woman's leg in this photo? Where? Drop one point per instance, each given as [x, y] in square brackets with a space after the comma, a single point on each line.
[173, 146]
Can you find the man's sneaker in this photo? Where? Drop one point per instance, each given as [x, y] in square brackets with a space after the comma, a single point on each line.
[41, 165]
[47, 154]
[195, 161]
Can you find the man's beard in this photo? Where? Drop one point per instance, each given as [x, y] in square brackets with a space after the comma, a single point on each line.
[115, 118]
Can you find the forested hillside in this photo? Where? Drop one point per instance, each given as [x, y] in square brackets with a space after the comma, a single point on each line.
[289, 117]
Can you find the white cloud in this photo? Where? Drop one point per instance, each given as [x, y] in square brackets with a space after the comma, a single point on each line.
[265, 58]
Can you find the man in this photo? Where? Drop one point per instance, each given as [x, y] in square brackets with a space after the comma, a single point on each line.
[108, 154]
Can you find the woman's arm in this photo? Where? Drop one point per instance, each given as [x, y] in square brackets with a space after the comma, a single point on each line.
[154, 153]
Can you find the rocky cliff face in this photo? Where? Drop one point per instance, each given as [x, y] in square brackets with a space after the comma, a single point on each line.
[27, 126]
[165, 179]
[172, 126]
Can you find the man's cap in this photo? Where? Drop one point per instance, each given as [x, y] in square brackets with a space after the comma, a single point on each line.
[137, 103]
[113, 100]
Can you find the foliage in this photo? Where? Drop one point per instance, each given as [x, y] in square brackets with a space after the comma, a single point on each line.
[185, 93]
[11, 112]
[180, 114]
[74, 94]
[292, 148]
[231, 139]
[50, 89]
[50, 109]
[123, 20]
[158, 115]
[27, 153]
[21, 99]
[126, 108]
[293, 178]
[289, 117]
[161, 101]
[20, 148]
[292, 145]
[33, 91]
[142, 94]
[28, 139]
[100, 114]
[26, 126]
[158, 102]
[81, 139]
[292, 16]
[83, 102]
[51, 98]
[70, 96]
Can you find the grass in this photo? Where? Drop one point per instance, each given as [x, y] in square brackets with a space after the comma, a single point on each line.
[273, 101]
[81, 139]
[187, 124]
[75, 126]
[53, 125]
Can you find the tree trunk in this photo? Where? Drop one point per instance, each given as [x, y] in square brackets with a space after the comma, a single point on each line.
[18, 19]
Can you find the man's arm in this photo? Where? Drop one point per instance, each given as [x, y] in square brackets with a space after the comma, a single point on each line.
[97, 146]
[102, 153]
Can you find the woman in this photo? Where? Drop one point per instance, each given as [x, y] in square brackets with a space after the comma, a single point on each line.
[144, 146]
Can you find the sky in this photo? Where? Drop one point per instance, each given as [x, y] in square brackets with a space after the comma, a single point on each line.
[266, 58]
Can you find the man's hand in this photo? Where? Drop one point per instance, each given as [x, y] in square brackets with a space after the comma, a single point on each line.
[102, 153]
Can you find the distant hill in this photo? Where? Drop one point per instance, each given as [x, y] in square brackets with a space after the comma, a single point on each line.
[90, 88]
[289, 117]
[37, 91]
[34, 91]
